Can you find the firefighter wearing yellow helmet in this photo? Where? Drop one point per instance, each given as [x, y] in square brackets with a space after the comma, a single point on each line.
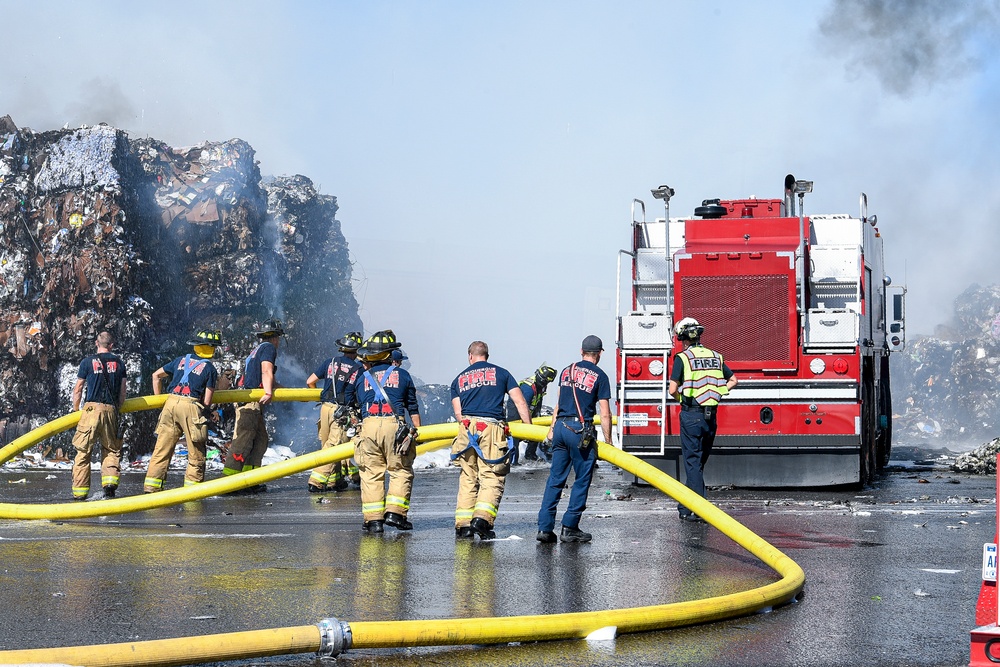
[385, 394]
[699, 379]
[249, 444]
[336, 414]
[193, 380]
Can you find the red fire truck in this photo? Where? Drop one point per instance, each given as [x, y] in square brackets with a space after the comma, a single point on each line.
[801, 310]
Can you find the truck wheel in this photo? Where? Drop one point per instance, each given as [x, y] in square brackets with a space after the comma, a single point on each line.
[884, 437]
[869, 418]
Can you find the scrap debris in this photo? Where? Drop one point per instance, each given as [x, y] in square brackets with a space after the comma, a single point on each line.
[99, 230]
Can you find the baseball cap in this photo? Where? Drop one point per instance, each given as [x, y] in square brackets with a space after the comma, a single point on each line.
[397, 355]
[592, 344]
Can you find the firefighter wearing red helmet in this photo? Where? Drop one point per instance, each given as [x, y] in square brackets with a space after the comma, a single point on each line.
[699, 379]
[249, 444]
[193, 380]
[336, 415]
[385, 394]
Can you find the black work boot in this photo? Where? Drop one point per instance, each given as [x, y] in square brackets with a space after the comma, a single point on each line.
[397, 521]
[482, 528]
[546, 536]
[464, 532]
[373, 527]
[316, 489]
[109, 490]
[574, 535]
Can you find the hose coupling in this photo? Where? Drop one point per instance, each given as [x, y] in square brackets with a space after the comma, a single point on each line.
[335, 637]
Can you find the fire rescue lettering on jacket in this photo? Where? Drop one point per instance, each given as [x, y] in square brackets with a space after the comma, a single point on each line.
[481, 377]
[387, 378]
[583, 378]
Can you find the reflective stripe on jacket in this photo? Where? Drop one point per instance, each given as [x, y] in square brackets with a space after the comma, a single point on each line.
[704, 381]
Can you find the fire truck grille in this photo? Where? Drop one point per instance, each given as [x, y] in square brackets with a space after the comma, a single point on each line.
[745, 317]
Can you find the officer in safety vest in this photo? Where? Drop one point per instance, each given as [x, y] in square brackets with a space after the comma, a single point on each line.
[335, 414]
[386, 444]
[699, 379]
[249, 432]
[482, 447]
[103, 377]
[193, 379]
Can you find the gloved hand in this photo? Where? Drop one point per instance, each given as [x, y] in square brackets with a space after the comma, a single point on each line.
[403, 445]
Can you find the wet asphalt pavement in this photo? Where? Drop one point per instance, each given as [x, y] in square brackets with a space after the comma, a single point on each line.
[892, 572]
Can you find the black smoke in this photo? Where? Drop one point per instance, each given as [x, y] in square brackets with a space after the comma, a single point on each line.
[912, 45]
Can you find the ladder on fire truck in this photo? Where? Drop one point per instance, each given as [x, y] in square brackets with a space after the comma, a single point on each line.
[645, 328]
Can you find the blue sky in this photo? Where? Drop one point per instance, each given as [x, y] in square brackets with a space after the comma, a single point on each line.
[485, 155]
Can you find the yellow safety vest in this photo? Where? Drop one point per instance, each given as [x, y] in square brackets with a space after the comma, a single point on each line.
[704, 382]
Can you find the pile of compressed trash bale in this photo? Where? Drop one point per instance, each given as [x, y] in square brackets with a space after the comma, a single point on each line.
[102, 231]
[946, 387]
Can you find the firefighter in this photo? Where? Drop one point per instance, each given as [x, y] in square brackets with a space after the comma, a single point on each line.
[483, 445]
[699, 378]
[336, 416]
[385, 394]
[103, 375]
[584, 390]
[249, 431]
[193, 380]
[533, 389]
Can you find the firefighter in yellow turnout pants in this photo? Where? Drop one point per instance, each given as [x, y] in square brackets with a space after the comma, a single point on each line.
[699, 379]
[249, 444]
[335, 415]
[102, 379]
[385, 394]
[483, 445]
[193, 379]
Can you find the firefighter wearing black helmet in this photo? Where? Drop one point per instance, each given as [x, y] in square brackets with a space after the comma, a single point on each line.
[335, 415]
[533, 389]
[250, 433]
[385, 393]
[193, 379]
[699, 379]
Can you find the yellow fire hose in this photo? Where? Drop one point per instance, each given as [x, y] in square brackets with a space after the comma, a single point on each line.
[330, 636]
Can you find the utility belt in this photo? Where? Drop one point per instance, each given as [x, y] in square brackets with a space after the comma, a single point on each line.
[572, 418]
[341, 411]
[587, 430]
[488, 420]
[707, 410]
[186, 397]
[474, 432]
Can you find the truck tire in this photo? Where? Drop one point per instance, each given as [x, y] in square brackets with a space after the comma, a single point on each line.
[884, 423]
[869, 418]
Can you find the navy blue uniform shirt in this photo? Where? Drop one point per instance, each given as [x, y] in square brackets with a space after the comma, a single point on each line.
[252, 377]
[337, 372]
[99, 391]
[398, 387]
[203, 376]
[592, 385]
[481, 389]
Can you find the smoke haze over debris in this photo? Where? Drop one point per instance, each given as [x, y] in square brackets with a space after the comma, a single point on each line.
[912, 45]
[487, 155]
